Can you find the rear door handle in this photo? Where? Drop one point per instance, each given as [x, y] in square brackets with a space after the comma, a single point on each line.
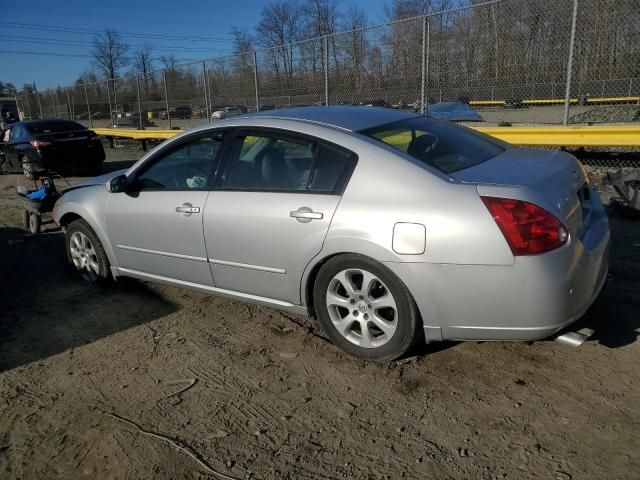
[187, 209]
[305, 215]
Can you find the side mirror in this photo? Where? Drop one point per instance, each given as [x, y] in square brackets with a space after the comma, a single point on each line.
[117, 184]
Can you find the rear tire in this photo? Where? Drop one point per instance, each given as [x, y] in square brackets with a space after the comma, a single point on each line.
[34, 223]
[86, 253]
[365, 309]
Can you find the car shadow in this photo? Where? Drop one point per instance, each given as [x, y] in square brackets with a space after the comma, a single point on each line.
[615, 315]
[46, 309]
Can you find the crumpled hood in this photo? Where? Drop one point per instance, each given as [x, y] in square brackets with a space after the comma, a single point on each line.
[99, 180]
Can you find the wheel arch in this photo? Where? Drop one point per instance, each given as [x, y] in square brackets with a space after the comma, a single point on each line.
[73, 211]
[311, 273]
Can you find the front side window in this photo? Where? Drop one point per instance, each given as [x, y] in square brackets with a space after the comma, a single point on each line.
[269, 163]
[186, 167]
[445, 146]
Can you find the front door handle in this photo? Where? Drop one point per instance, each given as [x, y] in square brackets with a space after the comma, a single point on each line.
[187, 209]
[305, 215]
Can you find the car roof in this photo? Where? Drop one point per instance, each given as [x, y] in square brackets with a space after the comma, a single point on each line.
[345, 117]
[45, 121]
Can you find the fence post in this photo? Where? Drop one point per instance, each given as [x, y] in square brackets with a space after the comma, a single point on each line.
[28, 106]
[69, 106]
[115, 96]
[109, 98]
[326, 70]
[425, 65]
[139, 104]
[255, 79]
[86, 97]
[166, 96]
[572, 41]
[18, 105]
[55, 102]
[205, 79]
[39, 101]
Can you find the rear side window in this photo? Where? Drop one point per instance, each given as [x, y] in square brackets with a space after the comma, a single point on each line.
[53, 126]
[445, 146]
[269, 163]
[287, 163]
[333, 166]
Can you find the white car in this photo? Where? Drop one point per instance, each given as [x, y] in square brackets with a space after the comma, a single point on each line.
[226, 112]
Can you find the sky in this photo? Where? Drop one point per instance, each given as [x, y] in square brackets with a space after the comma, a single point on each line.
[37, 43]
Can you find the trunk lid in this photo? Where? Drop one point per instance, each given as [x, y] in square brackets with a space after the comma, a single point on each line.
[70, 142]
[556, 179]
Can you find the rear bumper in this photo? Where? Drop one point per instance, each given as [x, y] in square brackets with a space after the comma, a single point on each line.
[531, 299]
[86, 158]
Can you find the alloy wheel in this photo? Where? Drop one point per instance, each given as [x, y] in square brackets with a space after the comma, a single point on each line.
[84, 256]
[362, 308]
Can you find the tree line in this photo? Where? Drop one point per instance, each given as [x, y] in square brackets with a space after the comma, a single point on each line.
[514, 42]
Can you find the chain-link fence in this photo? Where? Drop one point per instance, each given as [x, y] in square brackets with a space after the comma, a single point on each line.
[501, 61]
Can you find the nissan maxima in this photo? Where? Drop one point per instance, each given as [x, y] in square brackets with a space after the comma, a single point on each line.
[390, 228]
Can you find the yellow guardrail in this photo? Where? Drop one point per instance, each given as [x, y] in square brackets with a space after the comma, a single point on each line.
[554, 101]
[570, 136]
[136, 134]
[540, 136]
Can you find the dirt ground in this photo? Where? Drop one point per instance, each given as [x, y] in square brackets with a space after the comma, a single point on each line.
[140, 381]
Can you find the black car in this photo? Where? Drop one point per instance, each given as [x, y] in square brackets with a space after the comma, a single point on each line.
[177, 112]
[132, 121]
[49, 145]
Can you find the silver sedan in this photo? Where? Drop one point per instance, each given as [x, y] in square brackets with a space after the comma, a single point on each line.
[390, 228]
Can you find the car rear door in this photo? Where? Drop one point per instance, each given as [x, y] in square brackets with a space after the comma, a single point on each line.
[156, 226]
[271, 210]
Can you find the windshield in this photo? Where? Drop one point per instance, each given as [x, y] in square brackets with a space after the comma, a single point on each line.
[445, 146]
[53, 126]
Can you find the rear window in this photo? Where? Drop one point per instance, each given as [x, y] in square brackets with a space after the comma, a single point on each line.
[445, 146]
[54, 126]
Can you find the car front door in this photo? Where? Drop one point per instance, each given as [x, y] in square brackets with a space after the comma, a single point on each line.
[155, 226]
[271, 209]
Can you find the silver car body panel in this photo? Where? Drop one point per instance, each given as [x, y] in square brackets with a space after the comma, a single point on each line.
[465, 280]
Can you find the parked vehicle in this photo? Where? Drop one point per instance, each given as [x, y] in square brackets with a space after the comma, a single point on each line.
[454, 112]
[266, 108]
[376, 103]
[181, 112]
[38, 146]
[387, 226]
[8, 112]
[132, 121]
[226, 112]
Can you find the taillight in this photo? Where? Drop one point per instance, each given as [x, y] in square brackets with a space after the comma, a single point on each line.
[39, 143]
[528, 229]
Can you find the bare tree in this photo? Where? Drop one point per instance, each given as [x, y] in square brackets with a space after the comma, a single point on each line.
[278, 27]
[109, 52]
[356, 45]
[169, 61]
[143, 64]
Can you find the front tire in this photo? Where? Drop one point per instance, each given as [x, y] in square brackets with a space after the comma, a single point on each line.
[86, 253]
[365, 308]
